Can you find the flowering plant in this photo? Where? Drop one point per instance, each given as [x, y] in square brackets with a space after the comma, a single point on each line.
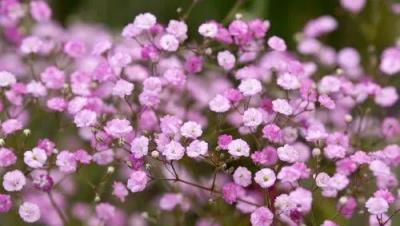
[231, 123]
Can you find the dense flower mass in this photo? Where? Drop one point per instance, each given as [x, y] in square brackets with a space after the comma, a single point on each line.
[237, 119]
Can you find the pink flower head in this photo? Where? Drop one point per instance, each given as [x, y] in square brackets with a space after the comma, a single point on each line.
[14, 181]
[261, 217]
[224, 140]
[7, 157]
[75, 48]
[5, 203]
[40, 11]
[11, 125]
[231, 191]
[29, 212]
[137, 181]
[118, 127]
[119, 191]
[277, 43]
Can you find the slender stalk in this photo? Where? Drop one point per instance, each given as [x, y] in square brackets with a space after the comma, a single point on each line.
[57, 208]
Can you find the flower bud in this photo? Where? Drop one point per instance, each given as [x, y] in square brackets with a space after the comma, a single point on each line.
[316, 152]
[27, 132]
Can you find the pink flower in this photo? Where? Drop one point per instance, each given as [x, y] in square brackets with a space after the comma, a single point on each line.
[120, 191]
[277, 43]
[170, 200]
[36, 158]
[194, 64]
[137, 181]
[252, 117]
[178, 29]
[75, 48]
[390, 127]
[282, 106]
[169, 43]
[82, 156]
[105, 211]
[140, 146]
[104, 157]
[53, 78]
[226, 60]
[145, 21]
[386, 97]
[288, 153]
[85, 118]
[353, 6]
[191, 129]
[250, 87]
[7, 157]
[57, 104]
[326, 101]
[29, 212]
[266, 157]
[11, 125]
[242, 176]
[288, 81]
[265, 178]
[14, 181]
[197, 148]
[273, 133]
[219, 104]
[231, 191]
[40, 11]
[347, 208]
[5, 203]
[239, 147]
[122, 88]
[174, 151]
[262, 216]
[224, 140]
[390, 61]
[7, 79]
[208, 30]
[118, 127]
[377, 205]
[66, 162]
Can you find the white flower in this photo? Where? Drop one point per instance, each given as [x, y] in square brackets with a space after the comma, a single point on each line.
[122, 88]
[169, 43]
[145, 21]
[252, 117]
[377, 205]
[85, 118]
[239, 147]
[140, 146]
[219, 104]
[226, 60]
[7, 79]
[209, 30]
[29, 212]
[329, 84]
[288, 81]
[242, 176]
[191, 129]
[288, 153]
[250, 87]
[174, 151]
[197, 148]
[35, 158]
[265, 178]
[282, 106]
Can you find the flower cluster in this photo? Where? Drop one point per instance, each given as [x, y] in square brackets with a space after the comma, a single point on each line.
[234, 118]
